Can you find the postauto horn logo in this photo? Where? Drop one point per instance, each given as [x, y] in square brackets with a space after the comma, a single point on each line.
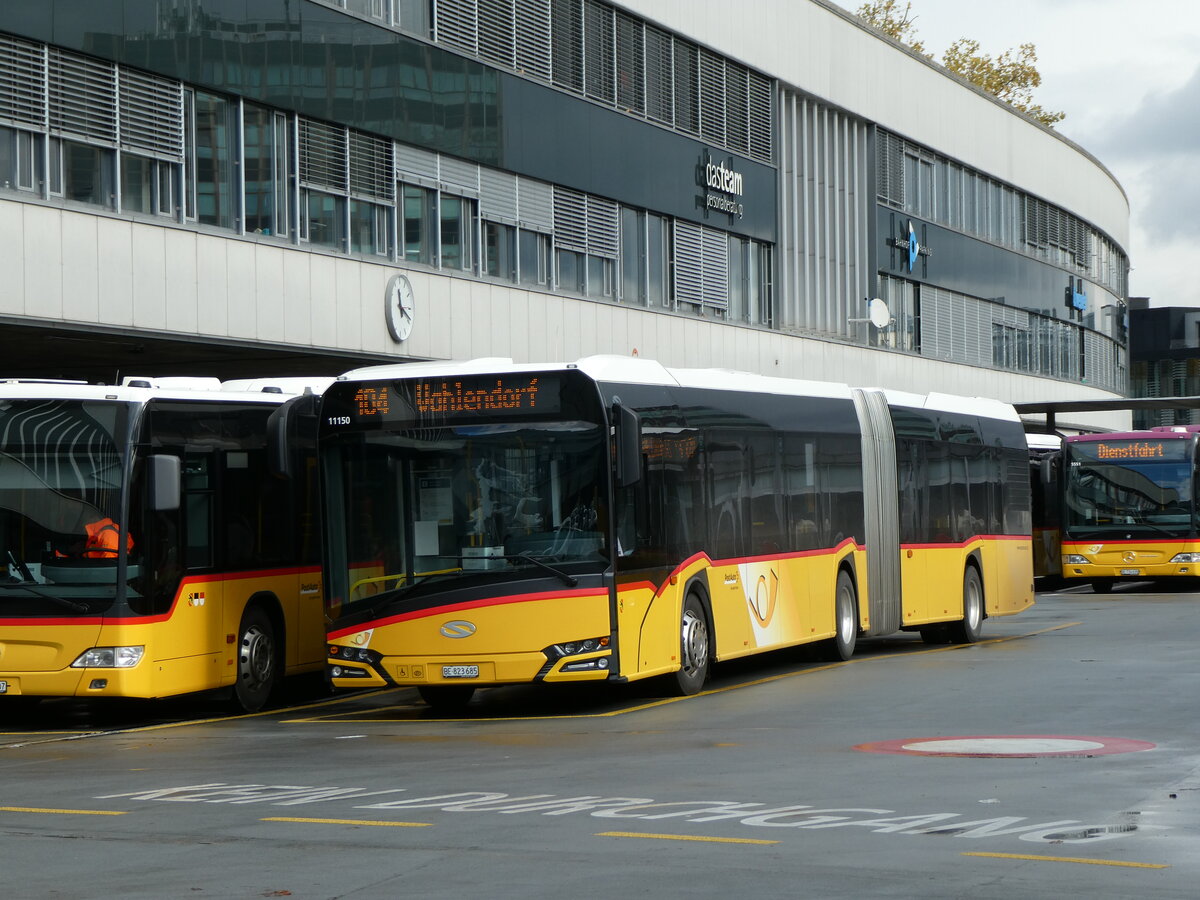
[457, 629]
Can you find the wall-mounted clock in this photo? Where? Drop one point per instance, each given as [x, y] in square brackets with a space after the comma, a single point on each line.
[398, 309]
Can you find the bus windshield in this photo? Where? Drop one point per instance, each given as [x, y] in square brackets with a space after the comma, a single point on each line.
[414, 510]
[60, 493]
[1126, 486]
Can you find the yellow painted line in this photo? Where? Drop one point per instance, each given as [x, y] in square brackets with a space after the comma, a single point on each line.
[345, 718]
[682, 837]
[350, 822]
[63, 812]
[1073, 859]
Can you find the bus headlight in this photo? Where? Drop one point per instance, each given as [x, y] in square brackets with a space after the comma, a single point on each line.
[1074, 559]
[109, 658]
[354, 654]
[571, 648]
[1186, 558]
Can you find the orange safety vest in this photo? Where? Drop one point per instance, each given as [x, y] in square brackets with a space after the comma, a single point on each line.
[104, 540]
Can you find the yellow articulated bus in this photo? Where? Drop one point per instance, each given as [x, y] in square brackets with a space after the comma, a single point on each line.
[490, 523]
[1130, 506]
[149, 547]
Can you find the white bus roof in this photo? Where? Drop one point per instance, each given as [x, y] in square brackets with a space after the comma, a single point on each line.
[623, 369]
[137, 389]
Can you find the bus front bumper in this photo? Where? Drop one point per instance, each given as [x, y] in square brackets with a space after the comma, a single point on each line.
[476, 671]
[1129, 572]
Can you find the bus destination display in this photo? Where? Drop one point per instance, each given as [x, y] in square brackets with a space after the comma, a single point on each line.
[486, 396]
[371, 401]
[1131, 451]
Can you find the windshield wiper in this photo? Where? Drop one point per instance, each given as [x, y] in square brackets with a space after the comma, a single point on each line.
[568, 579]
[32, 587]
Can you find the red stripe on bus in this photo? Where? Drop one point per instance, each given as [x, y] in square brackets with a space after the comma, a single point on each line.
[164, 617]
[452, 608]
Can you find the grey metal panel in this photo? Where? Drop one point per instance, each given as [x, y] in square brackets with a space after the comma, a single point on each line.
[458, 176]
[498, 196]
[415, 164]
[881, 506]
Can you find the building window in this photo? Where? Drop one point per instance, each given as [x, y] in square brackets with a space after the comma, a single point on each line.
[456, 216]
[500, 251]
[370, 227]
[324, 219]
[571, 271]
[413, 16]
[265, 137]
[417, 223]
[82, 173]
[600, 276]
[148, 185]
[20, 159]
[534, 257]
[210, 158]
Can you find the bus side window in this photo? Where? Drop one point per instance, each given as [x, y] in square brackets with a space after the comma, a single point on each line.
[198, 506]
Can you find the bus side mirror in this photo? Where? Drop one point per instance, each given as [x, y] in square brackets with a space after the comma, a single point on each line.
[1047, 471]
[629, 446]
[293, 423]
[166, 482]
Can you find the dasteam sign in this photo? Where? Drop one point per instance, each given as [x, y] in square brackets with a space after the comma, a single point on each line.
[723, 186]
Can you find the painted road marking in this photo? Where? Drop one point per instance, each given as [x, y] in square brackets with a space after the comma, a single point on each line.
[1073, 859]
[681, 837]
[63, 812]
[420, 708]
[371, 822]
[1016, 746]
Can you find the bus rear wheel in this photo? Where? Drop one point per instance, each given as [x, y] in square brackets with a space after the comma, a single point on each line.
[968, 629]
[446, 697]
[258, 661]
[845, 611]
[693, 648]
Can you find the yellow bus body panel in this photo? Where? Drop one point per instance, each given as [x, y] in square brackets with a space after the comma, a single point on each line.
[193, 647]
[502, 631]
[932, 578]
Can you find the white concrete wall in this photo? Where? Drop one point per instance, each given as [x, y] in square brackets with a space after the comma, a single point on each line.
[74, 266]
[819, 49]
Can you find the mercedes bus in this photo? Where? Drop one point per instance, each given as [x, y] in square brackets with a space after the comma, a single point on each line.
[492, 523]
[150, 547]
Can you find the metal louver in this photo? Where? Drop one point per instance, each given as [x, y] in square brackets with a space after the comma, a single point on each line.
[631, 93]
[737, 108]
[598, 50]
[566, 36]
[889, 155]
[602, 228]
[323, 158]
[372, 166]
[151, 111]
[457, 24]
[82, 96]
[701, 265]
[533, 38]
[570, 220]
[712, 97]
[497, 32]
[759, 109]
[22, 81]
[660, 65]
[686, 86]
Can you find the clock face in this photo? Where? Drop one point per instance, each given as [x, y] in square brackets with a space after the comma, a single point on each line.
[399, 308]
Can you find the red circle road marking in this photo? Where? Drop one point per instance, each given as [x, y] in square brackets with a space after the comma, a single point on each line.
[1010, 746]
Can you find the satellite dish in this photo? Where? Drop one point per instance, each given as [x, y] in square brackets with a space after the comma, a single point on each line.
[879, 314]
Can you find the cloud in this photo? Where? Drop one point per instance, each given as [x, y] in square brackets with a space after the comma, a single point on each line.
[1164, 124]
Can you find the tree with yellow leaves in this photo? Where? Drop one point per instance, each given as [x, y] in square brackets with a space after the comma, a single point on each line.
[1010, 77]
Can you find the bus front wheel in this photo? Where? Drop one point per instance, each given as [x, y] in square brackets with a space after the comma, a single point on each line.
[1102, 587]
[693, 648]
[258, 660]
[968, 629]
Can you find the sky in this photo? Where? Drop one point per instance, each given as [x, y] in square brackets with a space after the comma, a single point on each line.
[1127, 74]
